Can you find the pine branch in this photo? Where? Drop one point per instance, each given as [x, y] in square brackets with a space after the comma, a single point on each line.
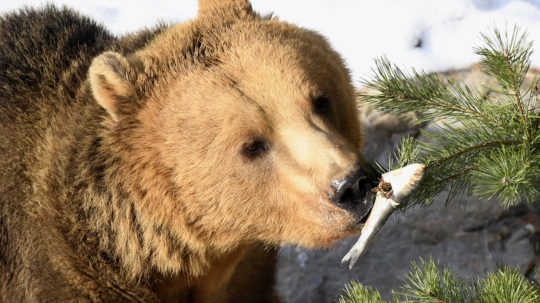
[426, 94]
[508, 59]
[485, 144]
[357, 293]
[425, 283]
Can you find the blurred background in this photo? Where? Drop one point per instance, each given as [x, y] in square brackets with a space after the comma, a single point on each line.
[469, 236]
[427, 34]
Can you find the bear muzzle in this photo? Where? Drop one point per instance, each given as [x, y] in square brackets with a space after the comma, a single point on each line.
[353, 193]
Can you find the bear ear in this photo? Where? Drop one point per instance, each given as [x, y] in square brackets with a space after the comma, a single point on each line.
[208, 6]
[109, 82]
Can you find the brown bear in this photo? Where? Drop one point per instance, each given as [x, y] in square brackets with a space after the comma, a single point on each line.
[168, 165]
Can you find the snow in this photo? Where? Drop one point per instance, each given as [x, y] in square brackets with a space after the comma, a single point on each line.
[361, 30]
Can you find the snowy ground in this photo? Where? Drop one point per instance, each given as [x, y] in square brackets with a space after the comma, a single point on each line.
[429, 35]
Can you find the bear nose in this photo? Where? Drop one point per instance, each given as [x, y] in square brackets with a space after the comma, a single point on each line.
[354, 191]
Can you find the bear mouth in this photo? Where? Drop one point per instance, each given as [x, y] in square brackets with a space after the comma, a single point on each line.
[364, 207]
[360, 206]
[364, 218]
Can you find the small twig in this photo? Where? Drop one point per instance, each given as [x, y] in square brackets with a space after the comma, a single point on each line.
[517, 93]
[436, 298]
[518, 99]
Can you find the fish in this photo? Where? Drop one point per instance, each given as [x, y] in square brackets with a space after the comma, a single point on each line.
[394, 186]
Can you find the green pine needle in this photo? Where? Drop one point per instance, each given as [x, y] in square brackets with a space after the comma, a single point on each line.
[506, 286]
[357, 293]
[425, 283]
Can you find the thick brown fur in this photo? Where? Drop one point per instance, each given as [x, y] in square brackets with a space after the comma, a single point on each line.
[123, 171]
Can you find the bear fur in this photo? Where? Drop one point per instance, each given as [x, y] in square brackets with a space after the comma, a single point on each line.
[167, 165]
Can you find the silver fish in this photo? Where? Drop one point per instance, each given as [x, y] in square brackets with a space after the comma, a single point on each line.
[403, 181]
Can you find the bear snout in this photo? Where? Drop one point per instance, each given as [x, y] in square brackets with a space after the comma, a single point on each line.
[353, 193]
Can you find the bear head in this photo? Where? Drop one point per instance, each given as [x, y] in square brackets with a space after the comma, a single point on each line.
[236, 127]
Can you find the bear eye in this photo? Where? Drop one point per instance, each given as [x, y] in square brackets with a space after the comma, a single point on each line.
[255, 148]
[321, 105]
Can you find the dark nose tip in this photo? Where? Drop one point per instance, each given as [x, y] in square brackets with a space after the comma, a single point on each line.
[354, 191]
